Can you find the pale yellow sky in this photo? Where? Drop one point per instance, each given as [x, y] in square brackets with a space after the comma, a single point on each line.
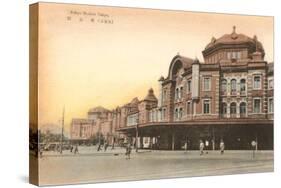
[83, 64]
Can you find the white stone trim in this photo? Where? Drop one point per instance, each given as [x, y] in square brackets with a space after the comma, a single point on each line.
[253, 105]
[203, 101]
[253, 81]
[268, 105]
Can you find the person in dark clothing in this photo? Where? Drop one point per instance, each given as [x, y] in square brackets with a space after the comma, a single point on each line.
[222, 147]
[99, 147]
[128, 151]
[76, 150]
[71, 149]
[105, 146]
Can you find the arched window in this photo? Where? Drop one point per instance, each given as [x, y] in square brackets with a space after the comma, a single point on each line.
[242, 87]
[233, 109]
[243, 109]
[224, 109]
[233, 87]
[188, 107]
[224, 86]
[177, 93]
[176, 113]
[180, 113]
[181, 92]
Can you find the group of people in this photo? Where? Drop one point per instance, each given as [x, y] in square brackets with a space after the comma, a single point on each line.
[74, 149]
[104, 146]
[202, 147]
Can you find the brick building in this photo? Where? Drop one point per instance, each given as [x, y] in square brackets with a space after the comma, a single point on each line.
[227, 97]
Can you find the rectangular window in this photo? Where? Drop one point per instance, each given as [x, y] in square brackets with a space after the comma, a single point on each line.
[206, 106]
[270, 84]
[257, 82]
[228, 55]
[188, 86]
[238, 55]
[206, 84]
[177, 93]
[233, 55]
[270, 105]
[257, 105]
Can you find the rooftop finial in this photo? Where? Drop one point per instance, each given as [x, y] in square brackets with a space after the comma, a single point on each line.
[234, 29]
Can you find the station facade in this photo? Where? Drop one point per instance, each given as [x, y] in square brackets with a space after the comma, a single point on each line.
[227, 97]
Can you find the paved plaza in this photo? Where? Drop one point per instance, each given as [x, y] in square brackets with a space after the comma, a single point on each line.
[112, 165]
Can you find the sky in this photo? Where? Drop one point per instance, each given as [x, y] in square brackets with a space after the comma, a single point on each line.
[84, 63]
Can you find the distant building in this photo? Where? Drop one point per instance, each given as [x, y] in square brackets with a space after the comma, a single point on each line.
[98, 123]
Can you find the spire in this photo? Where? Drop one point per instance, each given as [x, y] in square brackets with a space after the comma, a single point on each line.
[256, 42]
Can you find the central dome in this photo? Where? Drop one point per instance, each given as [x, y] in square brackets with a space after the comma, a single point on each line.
[232, 39]
[98, 109]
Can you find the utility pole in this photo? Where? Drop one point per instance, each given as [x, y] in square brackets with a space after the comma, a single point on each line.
[137, 134]
[62, 130]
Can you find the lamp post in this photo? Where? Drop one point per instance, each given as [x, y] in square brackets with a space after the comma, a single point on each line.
[137, 133]
[62, 130]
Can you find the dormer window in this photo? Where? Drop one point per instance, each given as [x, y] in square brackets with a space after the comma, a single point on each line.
[233, 55]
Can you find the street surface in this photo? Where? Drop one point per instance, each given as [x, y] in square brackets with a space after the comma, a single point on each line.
[90, 166]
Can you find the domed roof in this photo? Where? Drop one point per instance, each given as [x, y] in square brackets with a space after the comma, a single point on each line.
[98, 109]
[150, 96]
[234, 38]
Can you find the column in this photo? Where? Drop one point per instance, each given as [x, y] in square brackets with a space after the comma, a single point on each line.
[228, 110]
[238, 110]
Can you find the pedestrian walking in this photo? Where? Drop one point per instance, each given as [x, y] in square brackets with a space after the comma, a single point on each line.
[99, 147]
[113, 145]
[71, 148]
[40, 152]
[185, 147]
[76, 150]
[201, 147]
[207, 146]
[128, 151]
[105, 146]
[222, 147]
[254, 144]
